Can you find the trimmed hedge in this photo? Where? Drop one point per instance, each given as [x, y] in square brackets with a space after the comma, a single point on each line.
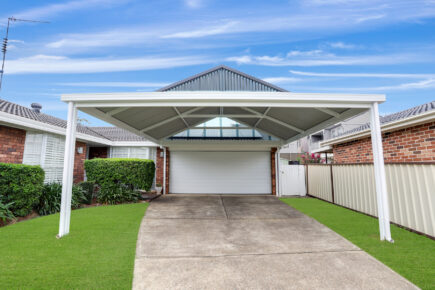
[21, 185]
[108, 172]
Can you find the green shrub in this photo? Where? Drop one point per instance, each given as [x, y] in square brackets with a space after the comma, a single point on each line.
[89, 188]
[21, 185]
[51, 198]
[5, 212]
[78, 196]
[108, 172]
[117, 193]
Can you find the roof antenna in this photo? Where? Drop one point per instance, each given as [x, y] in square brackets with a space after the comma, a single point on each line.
[5, 41]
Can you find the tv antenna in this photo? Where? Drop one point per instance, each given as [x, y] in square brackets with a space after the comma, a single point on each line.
[5, 41]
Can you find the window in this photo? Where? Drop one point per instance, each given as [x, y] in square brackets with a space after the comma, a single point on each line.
[131, 152]
[47, 151]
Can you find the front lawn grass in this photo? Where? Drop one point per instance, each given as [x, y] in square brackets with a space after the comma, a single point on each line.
[98, 252]
[412, 255]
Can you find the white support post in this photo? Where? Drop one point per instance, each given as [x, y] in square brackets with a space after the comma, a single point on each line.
[164, 171]
[68, 169]
[380, 179]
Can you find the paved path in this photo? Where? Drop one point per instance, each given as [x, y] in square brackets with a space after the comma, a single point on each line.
[249, 242]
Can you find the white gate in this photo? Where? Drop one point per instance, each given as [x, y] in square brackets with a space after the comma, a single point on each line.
[292, 180]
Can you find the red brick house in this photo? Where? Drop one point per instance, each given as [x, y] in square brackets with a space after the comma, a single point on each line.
[408, 136]
[31, 137]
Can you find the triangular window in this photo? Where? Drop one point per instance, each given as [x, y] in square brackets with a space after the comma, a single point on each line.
[222, 128]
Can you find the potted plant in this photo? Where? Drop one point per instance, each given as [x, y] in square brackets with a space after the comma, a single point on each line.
[159, 188]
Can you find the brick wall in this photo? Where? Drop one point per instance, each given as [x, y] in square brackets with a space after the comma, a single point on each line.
[79, 163]
[168, 159]
[159, 166]
[414, 144]
[273, 169]
[98, 152]
[11, 144]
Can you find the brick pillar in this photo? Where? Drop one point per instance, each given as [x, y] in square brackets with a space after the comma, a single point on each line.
[273, 169]
[168, 159]
[79, 163]
[159, 165]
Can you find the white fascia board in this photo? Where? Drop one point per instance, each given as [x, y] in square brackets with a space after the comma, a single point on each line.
[26, 124]
[218, 98]
[133, 144]
[220, 145]
[388, 127]
[321, 149]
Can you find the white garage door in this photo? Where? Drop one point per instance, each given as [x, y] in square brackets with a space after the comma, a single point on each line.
[220, 172]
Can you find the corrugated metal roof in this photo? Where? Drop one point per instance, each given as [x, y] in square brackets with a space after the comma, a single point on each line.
[418, 110]
[222, 78]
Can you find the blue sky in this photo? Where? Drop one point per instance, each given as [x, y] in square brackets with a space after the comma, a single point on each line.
[344, 46]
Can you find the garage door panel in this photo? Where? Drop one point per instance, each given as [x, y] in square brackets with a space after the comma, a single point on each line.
[220, 172]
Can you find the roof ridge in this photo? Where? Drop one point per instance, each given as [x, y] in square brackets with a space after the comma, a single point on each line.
[216, 68]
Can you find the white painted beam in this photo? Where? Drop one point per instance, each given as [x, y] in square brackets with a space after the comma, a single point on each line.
[181, 117]
[68, 170]
[117, 110]
[329, 112]
[158, 124]
[346, 114]
[273, 120]
[262, 117]
[380, 178]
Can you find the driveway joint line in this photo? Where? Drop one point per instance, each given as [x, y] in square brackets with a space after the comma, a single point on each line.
[223, 205]
[249, 254]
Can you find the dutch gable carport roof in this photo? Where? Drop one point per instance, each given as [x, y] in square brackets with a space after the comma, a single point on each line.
[224, 92]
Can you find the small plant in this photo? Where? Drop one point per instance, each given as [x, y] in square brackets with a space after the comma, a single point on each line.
[117, 193]
[5, 212]
[89, 188]
[158, 185]
[51, 198]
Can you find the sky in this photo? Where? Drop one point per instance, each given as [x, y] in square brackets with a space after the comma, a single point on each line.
[328, 46]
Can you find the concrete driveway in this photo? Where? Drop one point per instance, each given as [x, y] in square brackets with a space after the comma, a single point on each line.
[248, 242]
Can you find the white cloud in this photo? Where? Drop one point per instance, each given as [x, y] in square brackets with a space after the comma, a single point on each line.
[193, 3]
[55, 9]
[61, 64]
[328, 59]
[424, 84]
[207, 31]
[282, 80]
[341, 45]
[116, 84]
[369, 18]
[363, 75]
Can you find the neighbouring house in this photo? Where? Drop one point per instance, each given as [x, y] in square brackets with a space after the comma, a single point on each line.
[31, 137]
[407, 136]
[312, 143]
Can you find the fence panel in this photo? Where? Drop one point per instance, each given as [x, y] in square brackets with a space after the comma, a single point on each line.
[354, 187]
[319, 181]
[411, 191]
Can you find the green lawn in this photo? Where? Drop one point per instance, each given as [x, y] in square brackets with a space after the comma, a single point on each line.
[98, 253]
[412, 255]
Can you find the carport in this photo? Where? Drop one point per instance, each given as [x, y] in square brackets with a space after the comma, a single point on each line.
[284, 116]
